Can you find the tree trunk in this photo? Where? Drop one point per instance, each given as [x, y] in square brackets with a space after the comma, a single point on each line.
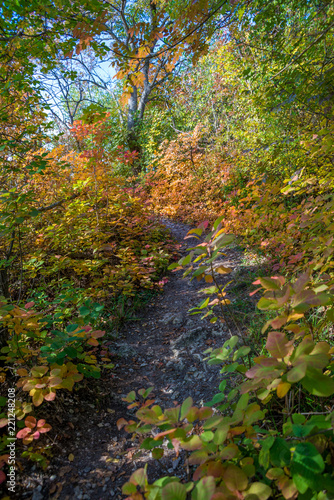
[4, 290]
[132, 136]
[135, 117]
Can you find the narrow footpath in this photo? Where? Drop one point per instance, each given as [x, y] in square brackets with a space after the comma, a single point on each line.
[163, 349]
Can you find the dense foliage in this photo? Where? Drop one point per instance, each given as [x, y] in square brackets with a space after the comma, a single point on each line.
[219, 112]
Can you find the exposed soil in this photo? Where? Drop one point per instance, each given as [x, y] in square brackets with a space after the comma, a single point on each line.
[163, 349]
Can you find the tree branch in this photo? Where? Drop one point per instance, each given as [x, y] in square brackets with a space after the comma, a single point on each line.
[58, 203]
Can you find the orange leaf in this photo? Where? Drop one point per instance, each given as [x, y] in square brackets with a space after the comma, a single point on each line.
[283, 389]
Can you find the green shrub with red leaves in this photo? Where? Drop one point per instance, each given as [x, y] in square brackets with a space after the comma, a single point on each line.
[253, 440]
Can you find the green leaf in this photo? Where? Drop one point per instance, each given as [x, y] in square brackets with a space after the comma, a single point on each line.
[275, 473]
[217, 398]
[199, 271]
[267, 443]
[89, 371]
[220, 434]
[34, 212]
[297, 373]
[235, 479]
[71, 352]
[217, 222]
[204, 489]
[174, 491]
[300, 482]
[128, 488]
[39, 371]
[203, 304]
[192, 443]
[301, 431]
[280, 454]
[172, 414]
[186, 405]
[299, 419]
[151, 443]
[212, 422]
[258, 491]
[139, 477]
[222, 385]
[186, 260]
[270, 284]
[157, 453]
[173, 266]
[306, 460]
[242, 402]
[209, 291]
[130, 397]
[232, 394]
[318, 384]
[267, 304]
[207, 436]
[232, 342]
[242, 351]
[223, 240]
[71, 328]
[84, 311]
[198, 231]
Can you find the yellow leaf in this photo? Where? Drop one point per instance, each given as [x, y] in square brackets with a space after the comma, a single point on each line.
[225, 302]
[223, 270]
[71, 457]
[208, 278]
[200, 277]
[282, 389]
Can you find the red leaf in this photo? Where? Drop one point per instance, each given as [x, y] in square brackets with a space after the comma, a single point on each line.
[121, 423]
[50, 397]
[278, 344]
[23, 433]
[30, 422]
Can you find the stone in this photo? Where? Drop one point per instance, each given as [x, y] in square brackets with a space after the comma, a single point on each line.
[190, 324]
[37, 495]
[179, 366]
[219, 333]
[176, 319]
[125, 350]
[189, 336]
[77, 492]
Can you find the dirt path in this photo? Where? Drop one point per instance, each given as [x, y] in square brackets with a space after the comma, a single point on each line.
[164, 349]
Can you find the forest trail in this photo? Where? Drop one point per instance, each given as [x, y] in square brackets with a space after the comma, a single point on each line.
[163, 349]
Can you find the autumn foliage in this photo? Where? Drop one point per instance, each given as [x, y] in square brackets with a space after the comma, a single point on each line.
[222, 117]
